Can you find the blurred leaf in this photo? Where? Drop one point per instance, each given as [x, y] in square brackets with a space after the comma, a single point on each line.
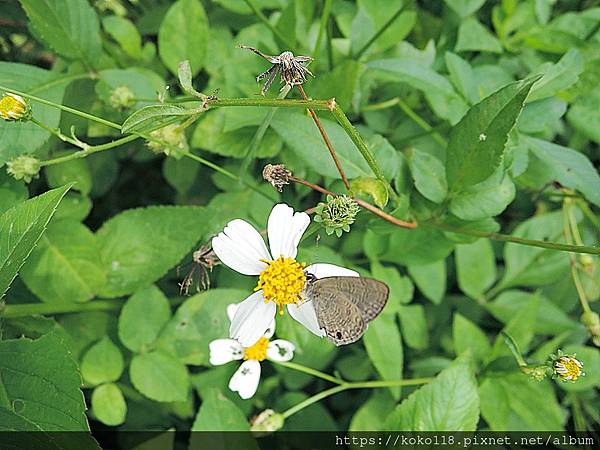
[449, 403]
[371, 415]
[401, 287]
[473, 36]
[218, 413]
[341, 83]
[125, 33]
[102, 363]
[138, 246]
[486, 199]
[20, 229]
[477, 142]
[571, 168]
[372, 187]
[76, 172]
[429, 175]
[465, 8]
[180, 174]
[65, 265]
[420, 246]
[142, 318]
[108, 404]
[514, 402]
[557, 77]
[475, 267]
[469, 337]
[462, 76]
[585, 112]
[69, 27]
[430, 279]
[520, 326]
[145, 86]
[414, 326]
[183, 35]
[18, 138]
[12, 192]
[159, 376]
[383, 340]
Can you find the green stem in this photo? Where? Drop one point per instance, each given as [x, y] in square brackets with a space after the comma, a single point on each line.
[585, 208]
[517, 240]
[329, 45]
[421, 122]
[309, 371]
[379, 32]
[89, 151]
[322, 26]
[318, 105]
[269, 25]
[381, 105]
[345, 386]
[362, 148]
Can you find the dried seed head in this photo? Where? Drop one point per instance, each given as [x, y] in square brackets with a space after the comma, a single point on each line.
[23, 167]
[337, 214]
[277, 175]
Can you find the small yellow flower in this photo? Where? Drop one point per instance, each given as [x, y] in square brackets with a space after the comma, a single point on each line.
[14, 107]
[568, 368]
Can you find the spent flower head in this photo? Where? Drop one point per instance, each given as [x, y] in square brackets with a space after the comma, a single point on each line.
[337, 214]
[122, 98]
[23, 167]
[170, 140]
[14, 107]
[277, 175]
[565, 367]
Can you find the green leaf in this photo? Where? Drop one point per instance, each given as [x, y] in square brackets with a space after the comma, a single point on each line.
[108, 404]
[142, 83]
[515, 402]
[381, 340]
[486, 199]
[298, 131]
[125, 33]
[218, 413]
[570, 168]
[465, 8]
[102, 363]
[184, 73]
[76, 172]
[448, 403]
[550, 319]
[401, 287]
[590, 357]
[371, 415]
[183, 34]
[414, 326]
[585, 112]
[475, 267]
[521, 327]
[142, 318]
[20, 229]
[69, 27]
[159, 376]
[429, 175]
[153, 117]
[18, 138]
[477, 142]
[199, 320]
[462, 76]
[531, 266]
[341, 83]
[12, 192]
[180, 174]
[430, 279]
[139, 246]
[557, 77]
[65, 266]
[373, 187]
[467, 336]
[420, 246]
[473, 36]
[42, 382]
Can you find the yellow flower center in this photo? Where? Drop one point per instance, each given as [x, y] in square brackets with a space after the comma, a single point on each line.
[258, 351]
[282, 281]
[11, 108]
[568, 368]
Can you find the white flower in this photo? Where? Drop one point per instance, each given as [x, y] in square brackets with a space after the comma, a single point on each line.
[281, 277]
[245, 380]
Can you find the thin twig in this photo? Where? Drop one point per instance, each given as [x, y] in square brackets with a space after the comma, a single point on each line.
[378, 212]
[326, 139]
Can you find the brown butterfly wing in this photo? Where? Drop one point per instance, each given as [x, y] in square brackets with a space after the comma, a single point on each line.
[369, 295]
[341, 319]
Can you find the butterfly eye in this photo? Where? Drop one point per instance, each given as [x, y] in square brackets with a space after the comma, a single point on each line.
[338, 335]
[310, 278]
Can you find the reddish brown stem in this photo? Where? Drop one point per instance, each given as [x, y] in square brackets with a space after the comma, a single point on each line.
[326, 139]
[378, 212]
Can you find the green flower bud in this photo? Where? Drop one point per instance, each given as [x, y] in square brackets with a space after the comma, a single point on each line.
[122, 98]
[172, 141]
[591, 320]
[267, 421]
[14, 107]
[337, 214]
[537, 373]
[23, 168]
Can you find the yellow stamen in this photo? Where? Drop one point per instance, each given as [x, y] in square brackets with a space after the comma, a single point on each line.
[282, 281]
[568, 368]
[258, 351]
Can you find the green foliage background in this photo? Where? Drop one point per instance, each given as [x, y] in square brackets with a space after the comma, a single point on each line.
[96, 302]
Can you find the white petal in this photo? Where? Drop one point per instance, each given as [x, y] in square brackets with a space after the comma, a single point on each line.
[305, 314]
[323, 270]
[224, 350]
[245, 379]
[241, 248]
[231, 310]
[271, 330]
[252, 319]
[285, 230]
[280, 350]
